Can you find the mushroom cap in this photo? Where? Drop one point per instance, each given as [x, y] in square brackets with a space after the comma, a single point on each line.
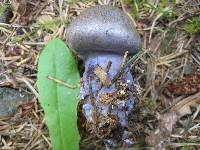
[103, 29]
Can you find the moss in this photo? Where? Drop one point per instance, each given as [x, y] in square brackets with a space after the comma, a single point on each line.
[135, 6]
[150, 106]
[169, 41]
[16, 39]
[193, 26]
[5, 13]
[3, 9]
[48, 23]
[51, 25]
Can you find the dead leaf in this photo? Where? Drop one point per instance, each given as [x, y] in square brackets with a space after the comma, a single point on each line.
[185, 86]
[183, 106]
[154, 138]
[167, 120]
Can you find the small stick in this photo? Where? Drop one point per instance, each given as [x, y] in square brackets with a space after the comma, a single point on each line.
[124, 59]
[62, 83]
[130, 61]
[29, 86]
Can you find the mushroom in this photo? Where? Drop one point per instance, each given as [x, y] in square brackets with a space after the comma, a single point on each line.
[100, 36]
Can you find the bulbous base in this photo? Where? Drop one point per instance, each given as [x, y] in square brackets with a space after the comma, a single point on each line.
[107, 106]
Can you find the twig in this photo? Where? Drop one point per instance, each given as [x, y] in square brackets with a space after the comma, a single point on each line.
[183, 144]
[132, 60]
[153, 25]
[30, 86]
[62, 83]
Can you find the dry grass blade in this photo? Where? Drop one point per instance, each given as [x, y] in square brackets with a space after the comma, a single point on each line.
[193, 98]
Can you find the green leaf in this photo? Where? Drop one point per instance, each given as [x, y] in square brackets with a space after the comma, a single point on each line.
[59, 102]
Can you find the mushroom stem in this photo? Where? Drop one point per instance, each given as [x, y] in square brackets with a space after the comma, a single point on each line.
[103, 60]
[91, 76]
[107, 108]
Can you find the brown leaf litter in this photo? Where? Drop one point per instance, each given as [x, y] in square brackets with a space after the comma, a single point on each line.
[167, 113]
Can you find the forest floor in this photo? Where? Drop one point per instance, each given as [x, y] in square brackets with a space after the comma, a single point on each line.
[167, 72]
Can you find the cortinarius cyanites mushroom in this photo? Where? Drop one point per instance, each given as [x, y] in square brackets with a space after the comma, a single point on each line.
[101, 35]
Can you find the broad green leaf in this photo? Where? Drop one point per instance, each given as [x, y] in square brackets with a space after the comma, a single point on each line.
[59, 102]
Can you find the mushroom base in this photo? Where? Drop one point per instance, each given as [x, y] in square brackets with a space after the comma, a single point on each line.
[105, 107]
